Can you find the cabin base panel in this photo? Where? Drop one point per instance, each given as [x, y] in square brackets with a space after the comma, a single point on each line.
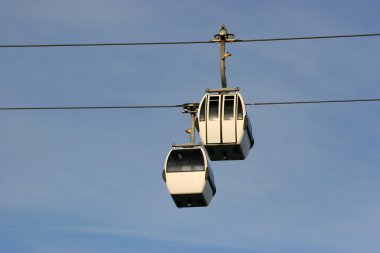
[190, 200]
[225, 152]
[230, 151]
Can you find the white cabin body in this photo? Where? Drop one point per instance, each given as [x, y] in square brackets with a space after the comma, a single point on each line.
[223, 125]
[188, 176]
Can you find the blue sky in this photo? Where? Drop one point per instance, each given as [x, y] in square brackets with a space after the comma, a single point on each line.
[90, 181]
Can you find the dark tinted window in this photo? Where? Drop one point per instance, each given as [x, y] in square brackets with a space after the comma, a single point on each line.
[202, 112]
[211, 179]
[239, 110]
[214, 108]
[229, 107]
[185, 160]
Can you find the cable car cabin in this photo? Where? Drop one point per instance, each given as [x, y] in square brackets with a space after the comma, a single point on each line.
[188, 176]
[223, 125]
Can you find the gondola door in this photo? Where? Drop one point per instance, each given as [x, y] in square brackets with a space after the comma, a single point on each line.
[228, 119]
[213, 126]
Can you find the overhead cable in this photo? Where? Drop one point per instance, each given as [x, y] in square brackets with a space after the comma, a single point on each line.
[182, 105]
[185, 42]
[317, 102]
[106, 44]
[313, 37]
[89, 107]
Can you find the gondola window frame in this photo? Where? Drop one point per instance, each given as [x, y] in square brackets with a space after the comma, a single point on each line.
[197, 160]
[214, 108]
[229, 105]
[240, 112]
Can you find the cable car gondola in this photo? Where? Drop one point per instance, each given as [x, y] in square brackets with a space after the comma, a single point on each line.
[223, 125]
[188, 176]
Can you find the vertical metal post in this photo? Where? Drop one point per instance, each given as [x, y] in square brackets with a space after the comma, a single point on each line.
[192, 128]
[223, 62]
[191, 108]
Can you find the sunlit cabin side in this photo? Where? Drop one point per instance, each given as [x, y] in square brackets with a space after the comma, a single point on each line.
[188, 176]
[223, 125]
